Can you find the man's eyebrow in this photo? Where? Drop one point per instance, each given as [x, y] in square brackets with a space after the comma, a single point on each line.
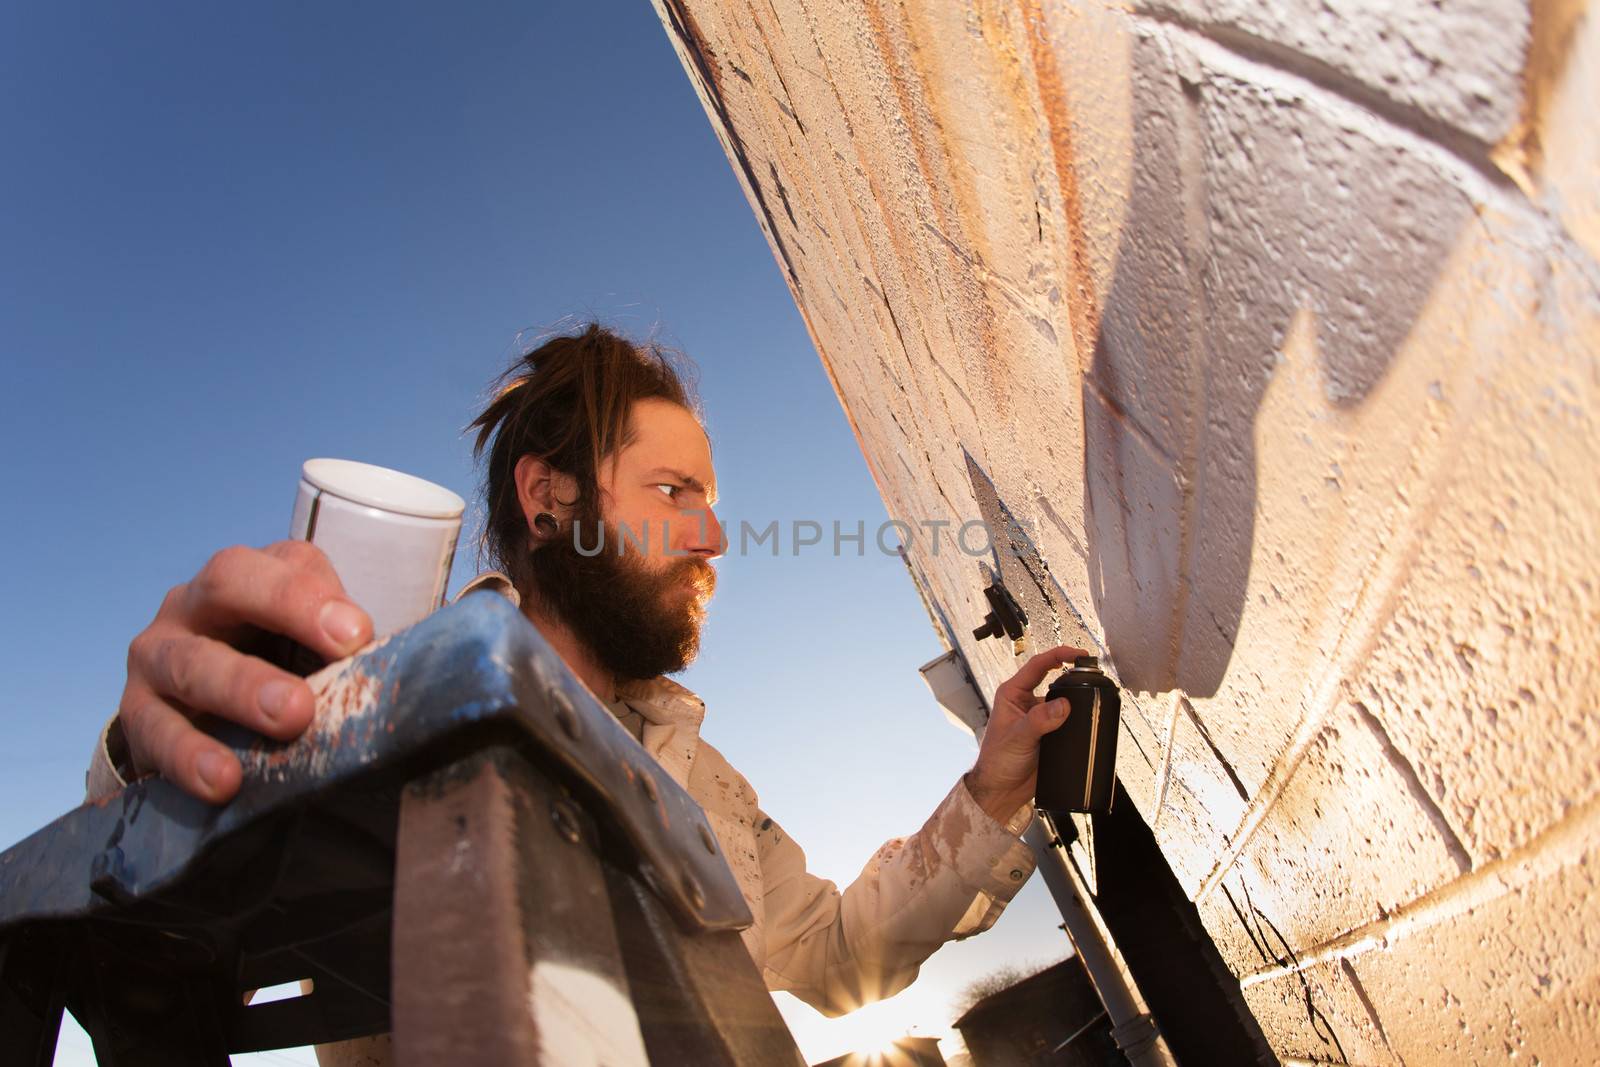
[691, 481]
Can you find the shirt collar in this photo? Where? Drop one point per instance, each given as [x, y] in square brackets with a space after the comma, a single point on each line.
[663, 701]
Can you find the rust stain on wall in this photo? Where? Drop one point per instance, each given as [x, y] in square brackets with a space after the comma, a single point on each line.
[1555, 24]
[1056, 107]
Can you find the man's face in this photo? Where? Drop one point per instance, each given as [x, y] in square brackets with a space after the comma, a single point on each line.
[662, 484]
[639, 602]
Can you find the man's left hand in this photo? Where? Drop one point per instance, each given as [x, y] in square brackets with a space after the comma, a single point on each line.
[1008, 760]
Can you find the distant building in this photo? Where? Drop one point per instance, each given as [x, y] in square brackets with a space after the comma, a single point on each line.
[1053, 1019]
[906, 1052]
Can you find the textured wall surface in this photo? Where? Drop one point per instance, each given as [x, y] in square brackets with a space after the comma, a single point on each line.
[1277, 328]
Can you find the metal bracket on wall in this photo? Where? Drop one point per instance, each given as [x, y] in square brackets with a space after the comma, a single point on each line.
[1005, 617]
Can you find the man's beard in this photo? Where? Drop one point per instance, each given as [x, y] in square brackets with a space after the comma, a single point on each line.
[637, 621]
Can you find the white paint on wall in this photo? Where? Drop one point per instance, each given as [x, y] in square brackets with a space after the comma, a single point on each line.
[1279, 329]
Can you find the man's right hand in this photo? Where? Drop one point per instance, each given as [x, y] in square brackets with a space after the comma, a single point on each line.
[186, 662]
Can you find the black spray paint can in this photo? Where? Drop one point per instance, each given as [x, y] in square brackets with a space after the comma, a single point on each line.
[1078, 760]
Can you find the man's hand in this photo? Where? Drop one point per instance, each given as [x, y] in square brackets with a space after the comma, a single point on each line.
[182, 664]
[1008, 760]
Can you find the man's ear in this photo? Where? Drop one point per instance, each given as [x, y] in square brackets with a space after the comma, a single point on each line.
[541, 487]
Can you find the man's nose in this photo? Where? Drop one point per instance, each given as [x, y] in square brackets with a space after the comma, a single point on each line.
[704, 534]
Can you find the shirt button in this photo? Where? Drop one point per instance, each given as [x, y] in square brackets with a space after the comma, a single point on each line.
[1016, 876]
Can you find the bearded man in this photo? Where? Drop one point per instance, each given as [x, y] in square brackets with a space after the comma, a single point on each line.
[591, 441]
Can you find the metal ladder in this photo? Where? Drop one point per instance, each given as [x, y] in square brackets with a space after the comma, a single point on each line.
[466, 851]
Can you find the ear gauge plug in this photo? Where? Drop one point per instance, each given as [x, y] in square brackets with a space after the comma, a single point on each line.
[545, 523]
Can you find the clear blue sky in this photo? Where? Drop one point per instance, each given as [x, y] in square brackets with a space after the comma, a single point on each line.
[239, 236]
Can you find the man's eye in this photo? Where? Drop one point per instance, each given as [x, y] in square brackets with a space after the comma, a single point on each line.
[672, 491]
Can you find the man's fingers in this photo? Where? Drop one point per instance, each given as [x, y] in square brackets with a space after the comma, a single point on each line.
[163, 739]
[1028, 677]
[306, 555]
[285, 590]
[1048, 715]
[205, 675]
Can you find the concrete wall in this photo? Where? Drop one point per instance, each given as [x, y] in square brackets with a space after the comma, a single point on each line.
[1277, 328]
